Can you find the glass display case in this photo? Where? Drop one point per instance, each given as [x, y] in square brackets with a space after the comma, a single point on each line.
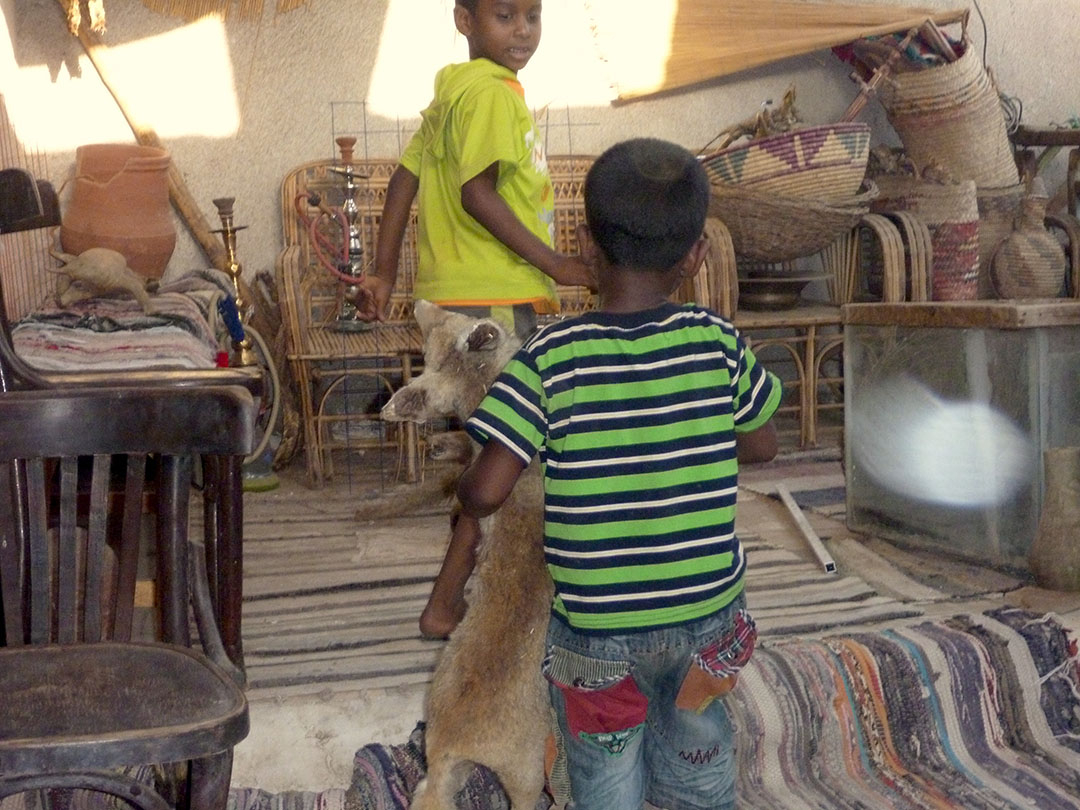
[948, 407]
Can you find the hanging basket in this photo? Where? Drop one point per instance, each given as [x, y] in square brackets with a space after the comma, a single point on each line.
[826, 162]
[774, 228]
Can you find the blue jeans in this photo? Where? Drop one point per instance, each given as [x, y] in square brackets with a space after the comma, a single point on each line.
[636, 714]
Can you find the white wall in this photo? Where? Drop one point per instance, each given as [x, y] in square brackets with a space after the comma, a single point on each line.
[247, 101]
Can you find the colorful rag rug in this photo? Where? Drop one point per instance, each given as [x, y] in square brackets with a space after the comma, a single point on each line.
[978, 711]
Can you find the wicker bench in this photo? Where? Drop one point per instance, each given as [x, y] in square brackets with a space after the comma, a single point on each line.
[326, 360]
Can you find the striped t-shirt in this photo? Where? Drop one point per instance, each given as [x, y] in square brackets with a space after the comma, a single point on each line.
[634, 417]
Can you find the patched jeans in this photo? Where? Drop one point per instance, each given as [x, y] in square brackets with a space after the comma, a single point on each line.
[637, 715]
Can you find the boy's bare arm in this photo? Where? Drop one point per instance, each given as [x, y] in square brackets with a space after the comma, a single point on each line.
[757, 445]
[375, 287]
[483, 203]
[488, 480]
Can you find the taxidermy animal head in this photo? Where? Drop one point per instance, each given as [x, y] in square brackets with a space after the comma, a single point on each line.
[462, 358]
[95, 272]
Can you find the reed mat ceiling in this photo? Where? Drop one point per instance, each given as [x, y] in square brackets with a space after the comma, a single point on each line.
[668, 44]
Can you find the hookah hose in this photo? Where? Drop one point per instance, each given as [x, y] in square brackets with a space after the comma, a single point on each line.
[320, 244]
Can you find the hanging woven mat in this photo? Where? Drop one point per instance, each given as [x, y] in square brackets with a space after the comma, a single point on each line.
[951, 115]
[825, 162]
[775, 228]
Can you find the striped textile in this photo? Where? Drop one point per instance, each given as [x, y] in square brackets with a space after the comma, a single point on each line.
[979, 711]
[975, 711]
[815, 479]
[332, 603]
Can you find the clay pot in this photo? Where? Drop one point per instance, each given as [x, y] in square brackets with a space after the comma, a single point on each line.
[120, 200]
[1054, 556]
[1030, 262]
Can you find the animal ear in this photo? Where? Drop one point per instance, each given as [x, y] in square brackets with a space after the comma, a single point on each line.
[428, 315]
[484, 336]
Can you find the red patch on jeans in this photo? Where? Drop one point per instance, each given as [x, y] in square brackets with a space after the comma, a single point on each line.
[616, 708]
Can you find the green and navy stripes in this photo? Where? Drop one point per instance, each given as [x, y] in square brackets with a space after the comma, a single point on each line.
[634, 417]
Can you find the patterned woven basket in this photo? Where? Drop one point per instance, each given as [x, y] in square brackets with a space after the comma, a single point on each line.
[951, 214]
[826, 162]
[774, 228]
[951, 115]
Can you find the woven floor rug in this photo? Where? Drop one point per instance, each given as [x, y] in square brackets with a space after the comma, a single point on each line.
[336, 618]
[815, 479]
[974, 711]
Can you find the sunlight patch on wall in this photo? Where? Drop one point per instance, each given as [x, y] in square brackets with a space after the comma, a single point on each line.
[564, 71]
[179, 84]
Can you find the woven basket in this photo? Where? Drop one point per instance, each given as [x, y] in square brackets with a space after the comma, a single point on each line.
[998, 208]
[1029, 262]
[951, 215]
[951, 115]
[826, 162]
[773, 228]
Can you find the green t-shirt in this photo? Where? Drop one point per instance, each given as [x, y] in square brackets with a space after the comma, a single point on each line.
[634, 418]
[479, 117]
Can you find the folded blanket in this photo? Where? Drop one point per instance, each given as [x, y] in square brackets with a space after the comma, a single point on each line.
[182, 331]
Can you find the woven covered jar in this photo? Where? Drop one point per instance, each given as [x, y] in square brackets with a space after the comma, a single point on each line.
[1029, 262]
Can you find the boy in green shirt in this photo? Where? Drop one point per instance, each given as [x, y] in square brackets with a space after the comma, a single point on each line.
[485, 204]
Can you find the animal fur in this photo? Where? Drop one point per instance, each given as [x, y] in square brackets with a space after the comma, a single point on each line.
[433, 494]
[94, 272]
[487, 703]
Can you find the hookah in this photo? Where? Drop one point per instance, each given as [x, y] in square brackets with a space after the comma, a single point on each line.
[344, 261]
[243, 353]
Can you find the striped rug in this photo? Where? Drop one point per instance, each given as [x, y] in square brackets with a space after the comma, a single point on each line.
[815, 479]
[974, 711]
[331, 603]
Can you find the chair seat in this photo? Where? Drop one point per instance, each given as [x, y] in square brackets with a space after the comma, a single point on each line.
[112, 704]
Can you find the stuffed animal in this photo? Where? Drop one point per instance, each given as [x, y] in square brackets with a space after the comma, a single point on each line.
[94, 272]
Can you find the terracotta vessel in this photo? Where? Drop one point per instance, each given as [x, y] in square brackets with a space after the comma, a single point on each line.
[120, 200]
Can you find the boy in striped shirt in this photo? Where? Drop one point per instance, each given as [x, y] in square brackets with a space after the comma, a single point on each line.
[640, 413]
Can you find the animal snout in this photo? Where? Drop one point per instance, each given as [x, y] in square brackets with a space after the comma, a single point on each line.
[410, 404]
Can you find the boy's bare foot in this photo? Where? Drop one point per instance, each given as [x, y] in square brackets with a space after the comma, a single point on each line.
[438, 621]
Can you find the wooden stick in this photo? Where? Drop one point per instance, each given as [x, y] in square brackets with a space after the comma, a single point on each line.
[181, 198]
[869, 87]
[807, 530]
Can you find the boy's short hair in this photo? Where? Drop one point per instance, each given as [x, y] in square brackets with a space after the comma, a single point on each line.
[645, 203]
[469, 5]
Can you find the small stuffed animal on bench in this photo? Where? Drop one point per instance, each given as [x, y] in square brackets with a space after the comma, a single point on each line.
[94, 272]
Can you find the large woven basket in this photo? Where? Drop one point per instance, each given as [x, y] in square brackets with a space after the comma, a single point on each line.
[825, 162]
[951, 115]
[774, 228]
[951, 214]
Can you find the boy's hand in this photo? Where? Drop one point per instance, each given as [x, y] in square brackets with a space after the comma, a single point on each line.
[574, 272]
[372, 298]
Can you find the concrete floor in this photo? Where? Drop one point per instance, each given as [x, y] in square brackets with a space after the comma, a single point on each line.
[307, 742]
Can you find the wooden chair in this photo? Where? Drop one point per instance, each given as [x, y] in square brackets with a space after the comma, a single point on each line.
[222, 479]
[88, 698]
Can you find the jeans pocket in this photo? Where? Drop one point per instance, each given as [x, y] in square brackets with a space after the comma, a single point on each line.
[715, 667]
[602, 703]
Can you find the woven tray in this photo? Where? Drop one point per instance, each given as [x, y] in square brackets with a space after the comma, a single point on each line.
[825, 162]
[773, 228]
